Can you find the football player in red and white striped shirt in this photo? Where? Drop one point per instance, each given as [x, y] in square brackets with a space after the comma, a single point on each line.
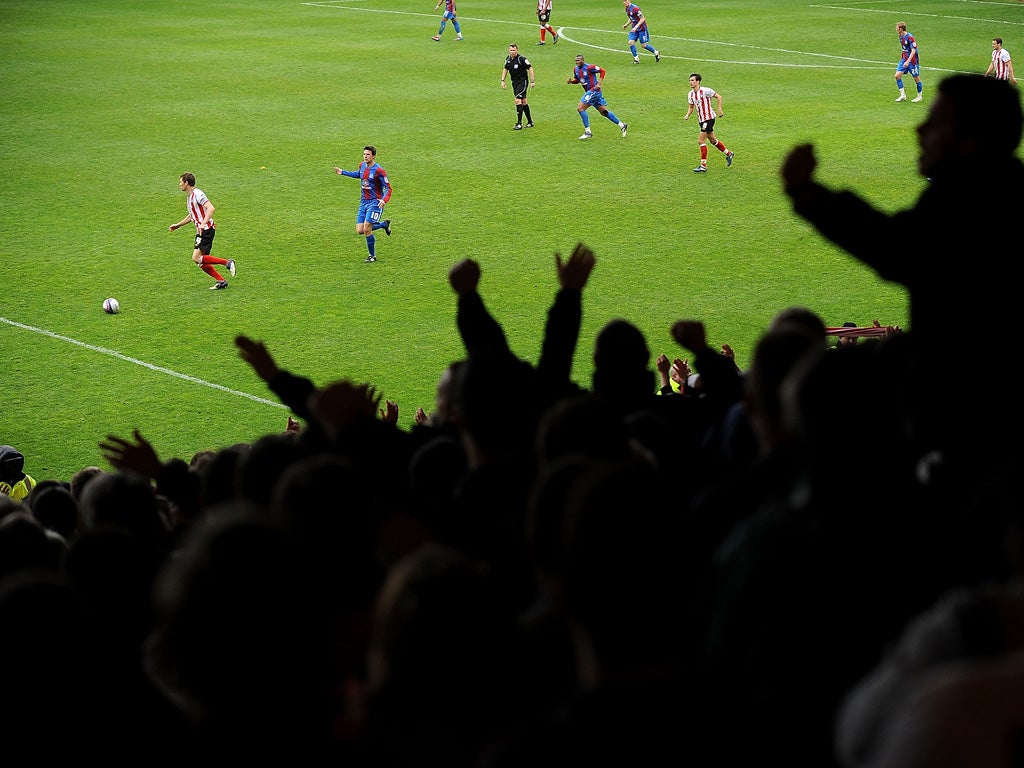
[699, 98]
[200, 213]
[544, 17]
[1002, 64]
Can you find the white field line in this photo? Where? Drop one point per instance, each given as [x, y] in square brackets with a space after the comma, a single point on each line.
[143, 363]
[903, 15]
[822, 60]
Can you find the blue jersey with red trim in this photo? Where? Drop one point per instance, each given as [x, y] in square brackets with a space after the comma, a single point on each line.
[634, 13]
[373, 182]
[587, 76]
[909, 45]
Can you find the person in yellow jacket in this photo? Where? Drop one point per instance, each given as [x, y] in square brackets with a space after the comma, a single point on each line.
[13, 480]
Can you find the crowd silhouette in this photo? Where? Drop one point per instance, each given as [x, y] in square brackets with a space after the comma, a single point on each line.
[682, 563]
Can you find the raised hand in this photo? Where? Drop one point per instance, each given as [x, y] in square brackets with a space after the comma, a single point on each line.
[680, 371]
[798, 167]
[138, 457]
[256, 355]
[342, 404]
[574, 273]
[464, 277]
[690, 335]
[389, 413]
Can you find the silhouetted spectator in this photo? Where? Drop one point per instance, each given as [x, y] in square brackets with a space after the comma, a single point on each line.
[56, 508]
[964, 158]
[244, 642]
[443, 671]
[26, 545]
[81, 478]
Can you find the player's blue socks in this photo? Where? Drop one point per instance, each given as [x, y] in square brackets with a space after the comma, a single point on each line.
[586, 120]
[377, 225]
[632, 49]
[611, 116]
[899, 83]
[371, 241]
[920, 88]
[444, 23]
[456, 25]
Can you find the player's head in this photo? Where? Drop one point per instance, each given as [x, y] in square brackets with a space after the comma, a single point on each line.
[513, 49]
[997, 42]
[695, 78]
[188, 178]
[370, 150]
[579, 59]
[901, 27]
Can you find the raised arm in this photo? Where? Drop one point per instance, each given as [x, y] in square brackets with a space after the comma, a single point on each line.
[481, 334]
[562, 331]
[720, 378]
[293, 391]
[846, 219]
[798, 170]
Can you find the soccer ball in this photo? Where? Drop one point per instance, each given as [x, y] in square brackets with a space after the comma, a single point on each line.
[111, 306]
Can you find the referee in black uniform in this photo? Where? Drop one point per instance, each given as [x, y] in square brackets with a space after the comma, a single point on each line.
[520, 69]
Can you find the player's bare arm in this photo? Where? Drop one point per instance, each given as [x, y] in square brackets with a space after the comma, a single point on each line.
[208, 210]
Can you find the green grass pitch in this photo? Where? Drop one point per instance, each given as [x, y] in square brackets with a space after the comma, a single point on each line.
[107, 102]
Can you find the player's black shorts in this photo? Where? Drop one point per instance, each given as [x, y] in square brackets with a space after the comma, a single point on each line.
[708, 126]
[520, 87]
[204, 241]
[544, 16]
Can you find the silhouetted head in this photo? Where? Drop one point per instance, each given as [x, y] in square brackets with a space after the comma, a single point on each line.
[953, 137]
[621, 360]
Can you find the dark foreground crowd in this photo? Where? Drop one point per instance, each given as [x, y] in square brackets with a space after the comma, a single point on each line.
[813, 561]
